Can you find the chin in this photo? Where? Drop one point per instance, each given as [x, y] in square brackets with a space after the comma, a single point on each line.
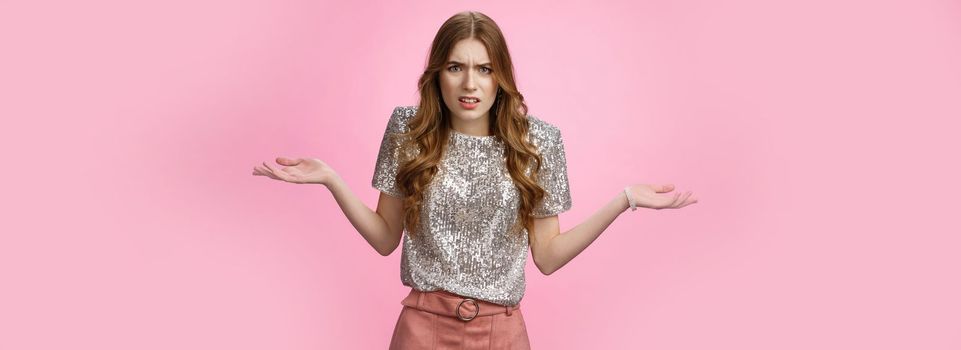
[474, 114]
[469, 113]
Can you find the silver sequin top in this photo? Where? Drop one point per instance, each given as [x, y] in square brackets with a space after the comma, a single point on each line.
[469, 208]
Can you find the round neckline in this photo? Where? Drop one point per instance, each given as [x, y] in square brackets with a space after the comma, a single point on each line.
[458, 133]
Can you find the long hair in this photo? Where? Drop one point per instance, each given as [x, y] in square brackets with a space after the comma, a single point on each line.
[430, 127]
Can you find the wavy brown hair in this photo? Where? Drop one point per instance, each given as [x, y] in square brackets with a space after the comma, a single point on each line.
[431, 125]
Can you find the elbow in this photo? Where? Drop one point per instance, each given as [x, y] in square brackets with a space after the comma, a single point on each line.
[543, 261]
[389, 246]
[545, 269]
[386, 251]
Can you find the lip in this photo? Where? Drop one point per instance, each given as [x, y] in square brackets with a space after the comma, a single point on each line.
[466, 105]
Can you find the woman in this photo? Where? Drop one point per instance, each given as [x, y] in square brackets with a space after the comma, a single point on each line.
[474, 181]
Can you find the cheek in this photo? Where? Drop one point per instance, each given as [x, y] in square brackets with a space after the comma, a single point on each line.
[448, 84]
[445, 87]
[490, 87]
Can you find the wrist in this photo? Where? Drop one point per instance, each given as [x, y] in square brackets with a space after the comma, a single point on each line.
[622, 201]
[333, 181]
[630, 202]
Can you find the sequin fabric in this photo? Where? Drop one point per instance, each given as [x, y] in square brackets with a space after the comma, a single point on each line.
[465, 246]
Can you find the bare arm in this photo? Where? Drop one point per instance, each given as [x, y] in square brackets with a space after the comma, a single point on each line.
[552, 250]
[382, 228]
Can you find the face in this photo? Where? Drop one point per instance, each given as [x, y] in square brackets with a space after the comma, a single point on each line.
[468, 72]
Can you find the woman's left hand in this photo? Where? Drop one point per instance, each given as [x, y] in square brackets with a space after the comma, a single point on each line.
[648, 196]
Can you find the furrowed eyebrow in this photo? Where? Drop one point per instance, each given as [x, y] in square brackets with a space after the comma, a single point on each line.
[481, 64]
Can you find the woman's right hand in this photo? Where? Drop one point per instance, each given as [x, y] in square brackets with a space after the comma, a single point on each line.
[298, 171]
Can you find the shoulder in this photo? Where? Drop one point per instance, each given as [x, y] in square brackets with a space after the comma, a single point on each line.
[400, 117]
[542, 132]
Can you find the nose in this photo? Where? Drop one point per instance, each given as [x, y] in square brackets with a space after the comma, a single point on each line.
[469, 83]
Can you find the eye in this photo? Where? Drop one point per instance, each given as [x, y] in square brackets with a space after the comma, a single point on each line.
[452, 67]
[488, 70]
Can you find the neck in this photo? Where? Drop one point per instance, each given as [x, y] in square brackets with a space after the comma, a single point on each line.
[474, 127]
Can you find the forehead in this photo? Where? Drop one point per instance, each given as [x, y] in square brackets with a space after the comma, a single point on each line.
[469, 50]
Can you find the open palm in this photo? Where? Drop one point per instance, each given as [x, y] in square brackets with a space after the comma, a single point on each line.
[649, 196]
[297, 170]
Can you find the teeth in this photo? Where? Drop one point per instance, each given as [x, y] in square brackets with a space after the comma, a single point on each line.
[469, 100]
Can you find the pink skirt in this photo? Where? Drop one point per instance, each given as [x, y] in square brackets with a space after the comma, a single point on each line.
[444, 320]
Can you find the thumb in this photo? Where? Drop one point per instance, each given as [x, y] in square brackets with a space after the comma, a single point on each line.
[288, 161]
[665, 188]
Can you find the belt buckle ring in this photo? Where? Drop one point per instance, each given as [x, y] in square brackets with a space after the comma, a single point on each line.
[476, 310]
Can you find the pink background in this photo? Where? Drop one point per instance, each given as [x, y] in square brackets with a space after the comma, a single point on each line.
[821, 138]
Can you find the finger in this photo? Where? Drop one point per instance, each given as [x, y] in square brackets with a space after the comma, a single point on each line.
[269, 169]
[272, 176]
[683, 199]
[665, 188]
[669, 202]
[270, 172]
[275, 172]
[281, 173]
[288, 161]
[678, 200]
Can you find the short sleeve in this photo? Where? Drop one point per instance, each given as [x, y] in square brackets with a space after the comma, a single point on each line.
[385, 170]
[553, 174]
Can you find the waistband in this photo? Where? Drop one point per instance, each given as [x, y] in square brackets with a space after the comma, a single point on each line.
[448, 304]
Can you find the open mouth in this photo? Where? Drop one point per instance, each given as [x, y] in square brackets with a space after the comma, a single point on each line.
[468, 102]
